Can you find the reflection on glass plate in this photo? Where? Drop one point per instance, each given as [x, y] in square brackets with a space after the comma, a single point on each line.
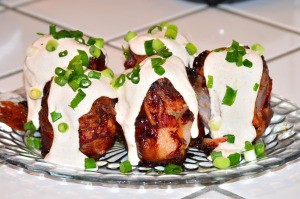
[282, 139]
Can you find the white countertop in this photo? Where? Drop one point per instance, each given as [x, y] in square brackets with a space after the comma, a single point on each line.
[273, 23]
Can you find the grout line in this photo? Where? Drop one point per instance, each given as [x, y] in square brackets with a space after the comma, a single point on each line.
[170, 19]
[112, 46]
[228, 10]
[213, 188]
[284, 54]
[27, 3]
[11, 74]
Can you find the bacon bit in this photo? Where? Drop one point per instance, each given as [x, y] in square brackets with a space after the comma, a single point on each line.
[14, 115]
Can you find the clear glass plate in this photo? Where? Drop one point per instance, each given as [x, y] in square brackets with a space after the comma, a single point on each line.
[282, 139]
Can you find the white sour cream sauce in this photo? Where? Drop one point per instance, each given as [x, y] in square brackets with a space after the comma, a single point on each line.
[235, 119]
[40, 66]
[131, 97]
[65, 146]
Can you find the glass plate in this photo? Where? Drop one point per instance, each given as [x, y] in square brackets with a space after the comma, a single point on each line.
[282, 139]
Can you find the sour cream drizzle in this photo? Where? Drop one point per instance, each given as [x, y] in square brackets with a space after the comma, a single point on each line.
[131, 97]
[235, 119]
[65, 147]
[40, 66]
[177, 46]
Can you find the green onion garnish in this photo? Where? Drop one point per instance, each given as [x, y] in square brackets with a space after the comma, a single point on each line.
[90, 163]
[154, 27]
[247, 63]
[219, 50]
[60, 80]
[35, 93]
[230, 96]
[164, 24]
[108, 73]
[130, 35]
[248, 146]
[171, 34]
[173, 169]
[59, 71]
[85, 83]
[157, 65]
[84, 57]
[259, 49]
[230, 138]
[256, 86]
[148, 48]
[125, 167]
[191, 48]
[29, 126]
[55, 116]
[221, 162]
[249, 155]
[96, 52]
[157, 45]
[234, 159]
[78, 98]
[119, 81]
[134, 75]
[125, 52]
[210, 81]
[215, 154]
[51, 45]
[172, 27]
[94, 75]
[78, 69]
[259, 148]
[74, 85]
[52, 30]
[63, 127]
[99, 42]
[34, 142]
[63, 53]
[235, 53]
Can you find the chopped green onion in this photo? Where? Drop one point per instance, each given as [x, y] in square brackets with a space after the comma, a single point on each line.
[59, 71]
[119, 81]
[164, 24]
[34, 142]
[78, 69]
[99, 42]
[35, 93]
[134, 76]
[230, 96]
[125, 167]
[234, 159]
[130, 35]
[164, 52]
[63, 127]
[215, 154]
[90, 163]
[247, 63]
[248, 146]
[191, 48]
[63, 53]
[173, 169]
[125, 52]
[259, 148]
[256, 86]
[60, 81]
[55, 116]
[172, 27]
[91, 41]
[40, 33]
[94, 75]
[219, 50]
[148, 48]
[51, 45]
[249, 155]
[157, 65]
[210, 81]
[78, 98]
[108, 73]
[215, 123]
[235, 53]
[52, 29]
[230, 138]
[29, 126]
[153, 27]
[75, 61]
[259, 49]
[80, 40]
[157, 45]
[96, 52]
[85, 83]
[84, 57]
[221, 162]
[74, 85]
[171, 34]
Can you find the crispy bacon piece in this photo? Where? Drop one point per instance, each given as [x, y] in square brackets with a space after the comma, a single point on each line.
[13, 114]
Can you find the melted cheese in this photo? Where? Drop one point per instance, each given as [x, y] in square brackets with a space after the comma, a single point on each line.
[235, 119]
[65, 147]
[131, 97]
